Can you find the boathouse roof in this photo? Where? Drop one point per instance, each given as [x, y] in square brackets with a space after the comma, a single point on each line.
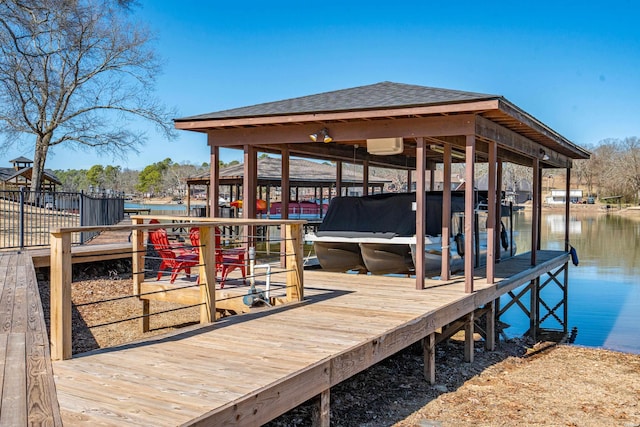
[379, 95]
[388, 110]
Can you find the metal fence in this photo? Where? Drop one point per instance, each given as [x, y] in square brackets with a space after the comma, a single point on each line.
[26, 217]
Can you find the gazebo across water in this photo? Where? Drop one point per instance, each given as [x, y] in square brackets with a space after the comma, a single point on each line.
[307, 180]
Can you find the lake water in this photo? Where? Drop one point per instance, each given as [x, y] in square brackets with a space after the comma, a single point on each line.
[604, 289]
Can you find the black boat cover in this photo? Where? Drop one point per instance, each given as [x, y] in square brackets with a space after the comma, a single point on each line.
[384, 215]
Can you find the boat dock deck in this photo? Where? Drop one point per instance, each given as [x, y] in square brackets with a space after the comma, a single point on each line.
[247, 370]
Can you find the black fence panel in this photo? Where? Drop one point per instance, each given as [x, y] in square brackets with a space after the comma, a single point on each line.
[27, 217]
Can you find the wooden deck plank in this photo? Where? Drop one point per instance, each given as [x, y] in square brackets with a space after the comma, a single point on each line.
[249, 369]
[14, 386]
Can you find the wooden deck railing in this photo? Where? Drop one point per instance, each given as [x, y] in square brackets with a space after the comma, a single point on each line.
[61, 277]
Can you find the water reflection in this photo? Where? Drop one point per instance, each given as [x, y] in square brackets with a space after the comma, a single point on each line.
[604, 290]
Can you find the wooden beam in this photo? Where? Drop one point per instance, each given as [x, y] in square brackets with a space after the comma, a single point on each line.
[321, 118]
[539, 127]
[469, 213]
[517, 143]
[421, 211]
[346, 132]
[345, 153]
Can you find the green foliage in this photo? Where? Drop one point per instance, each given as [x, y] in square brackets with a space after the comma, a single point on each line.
[95, 175]
[151, 177]
[73, 179]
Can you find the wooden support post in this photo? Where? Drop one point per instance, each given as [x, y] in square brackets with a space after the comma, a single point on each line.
[468, 338]
[365, 178]
[60, 282]
[535, 230]
[294, 253]
[469, 213]
[188, 199]
[213, 190]
[207, 274]
[137, 264]
[285, 195]
[445, 273]
[499, 209]
[421, 210]
[490, 330]
[321, 412]
[338, 178]
[491, 212]
[249, 189]
[429, 351]
[567, 204]
[534, 317]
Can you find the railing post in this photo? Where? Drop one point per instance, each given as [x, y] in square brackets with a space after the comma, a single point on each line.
[21, 219]
[294, 262]
[60, 282]
[207, 274]
[137, 266]
[81, 213]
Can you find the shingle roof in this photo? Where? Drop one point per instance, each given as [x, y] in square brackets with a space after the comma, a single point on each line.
[21, 159]
[375, 96]
[7, 174]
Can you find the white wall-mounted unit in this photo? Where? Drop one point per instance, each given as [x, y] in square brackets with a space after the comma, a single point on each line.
[385, 146]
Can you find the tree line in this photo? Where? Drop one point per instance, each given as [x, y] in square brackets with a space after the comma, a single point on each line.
[161, 179]
[612, 170]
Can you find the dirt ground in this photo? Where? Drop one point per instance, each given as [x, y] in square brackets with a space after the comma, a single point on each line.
[520, 383]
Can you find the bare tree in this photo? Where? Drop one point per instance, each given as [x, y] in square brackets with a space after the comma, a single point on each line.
[76, 73]
[630, 172]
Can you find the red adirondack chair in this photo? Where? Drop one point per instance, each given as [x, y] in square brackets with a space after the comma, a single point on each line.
[227, 260]
[173, 259]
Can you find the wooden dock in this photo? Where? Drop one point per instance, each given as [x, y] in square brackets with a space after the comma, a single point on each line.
[247, 370]
[28, 389]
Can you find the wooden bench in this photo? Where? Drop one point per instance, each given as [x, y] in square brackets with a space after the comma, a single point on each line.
[28, 389]
[84, 253]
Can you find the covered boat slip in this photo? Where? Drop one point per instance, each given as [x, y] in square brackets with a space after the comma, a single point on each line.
[377, 234]
[404, 127]
[247, 370]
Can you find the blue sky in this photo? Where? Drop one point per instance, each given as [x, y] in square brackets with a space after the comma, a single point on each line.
[573, 65]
